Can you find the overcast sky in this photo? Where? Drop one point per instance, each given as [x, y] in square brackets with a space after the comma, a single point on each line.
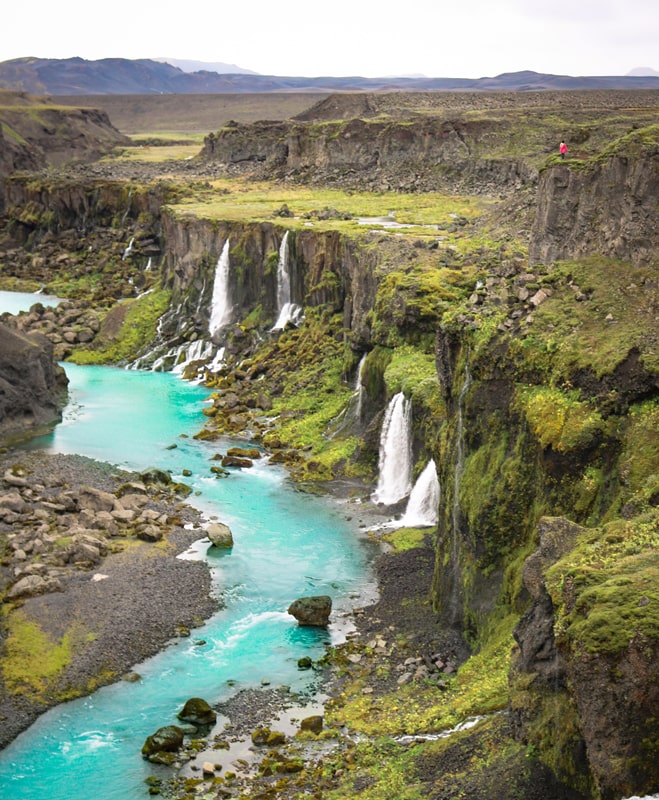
[464, 38]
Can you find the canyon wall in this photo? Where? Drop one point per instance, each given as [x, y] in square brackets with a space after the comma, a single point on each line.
[415, 155]
[606, 207]
[32, 385]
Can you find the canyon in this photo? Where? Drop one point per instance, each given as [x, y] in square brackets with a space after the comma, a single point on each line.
[517, 315]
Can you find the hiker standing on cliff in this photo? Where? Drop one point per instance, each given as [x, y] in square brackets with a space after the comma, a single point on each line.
[562, 149]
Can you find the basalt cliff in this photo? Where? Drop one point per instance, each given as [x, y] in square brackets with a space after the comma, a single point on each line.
[509, 295]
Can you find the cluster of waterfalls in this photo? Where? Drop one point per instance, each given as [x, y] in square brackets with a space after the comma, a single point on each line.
[396, 462]
[395, 469]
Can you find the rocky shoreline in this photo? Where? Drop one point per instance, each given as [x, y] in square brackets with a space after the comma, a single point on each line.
[104, 583]
[89, 557]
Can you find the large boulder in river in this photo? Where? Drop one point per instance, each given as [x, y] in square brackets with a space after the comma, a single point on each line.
[219, 534]
[165, 740]
[197, 712]
[312, 610]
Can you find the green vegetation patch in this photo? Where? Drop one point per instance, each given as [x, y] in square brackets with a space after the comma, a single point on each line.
[639, 461]
[480, 687]
[558, 418]
[127, 330]
[406, 538]
[414, 373]
[241, 201]
[34, 660]
[307, 367]
[606, 590]
[600, 309]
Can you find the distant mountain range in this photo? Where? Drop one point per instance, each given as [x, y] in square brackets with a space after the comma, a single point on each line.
[73, 76]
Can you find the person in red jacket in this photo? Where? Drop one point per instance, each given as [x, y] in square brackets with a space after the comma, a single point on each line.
[562, 149]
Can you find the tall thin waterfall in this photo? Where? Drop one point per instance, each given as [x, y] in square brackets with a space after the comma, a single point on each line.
[221, 302]
[423, 506]
[288, 311]
[455, 583]
[358, 392]
[459, 460]
[395, 468]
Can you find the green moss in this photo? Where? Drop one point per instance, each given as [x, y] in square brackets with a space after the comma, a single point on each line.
[414, 373]
[559, 419]
[552, 730]
[605, 590]
[600, 310]
[135, 333]
[406, 538]
[639, 461]
[33, 660]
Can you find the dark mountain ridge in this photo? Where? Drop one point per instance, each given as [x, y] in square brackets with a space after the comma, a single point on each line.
[77, 76]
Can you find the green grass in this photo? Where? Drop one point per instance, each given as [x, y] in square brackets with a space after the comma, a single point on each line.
[33, 660]
[233, 200]
[599, 331]
[136, 330]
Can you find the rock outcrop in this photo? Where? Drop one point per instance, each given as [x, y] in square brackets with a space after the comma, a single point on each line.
[595, 690]
[607, 207]
[32, 386]
[419, 154]
[35, 133]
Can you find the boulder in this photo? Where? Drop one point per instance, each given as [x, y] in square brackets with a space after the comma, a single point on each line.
[313, 724]
[264, 737]
[156, 475]
[312, 610]
[236, 461]
[220, 534]
[33, 585]
[244, 452]
[168, 739]
[95, 499]
[198, 712]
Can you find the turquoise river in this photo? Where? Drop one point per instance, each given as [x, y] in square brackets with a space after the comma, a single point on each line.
[287, 544]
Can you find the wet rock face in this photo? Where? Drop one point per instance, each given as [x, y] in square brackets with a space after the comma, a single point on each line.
[32, 386]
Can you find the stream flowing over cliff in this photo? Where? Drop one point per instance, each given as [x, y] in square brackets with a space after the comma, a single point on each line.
[528, 379]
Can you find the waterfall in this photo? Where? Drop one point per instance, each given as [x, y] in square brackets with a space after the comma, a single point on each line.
[395, 467]
[454, 576]
[194, 351]
[287, 310]
[423, 506]
[358, 392]
[221, 303]
[459, 460]
[128, 205]
[351, 415]
[128, 250]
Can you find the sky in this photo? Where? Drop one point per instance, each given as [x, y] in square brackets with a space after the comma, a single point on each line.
[460, 39]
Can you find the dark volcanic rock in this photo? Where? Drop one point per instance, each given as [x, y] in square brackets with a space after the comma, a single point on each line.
[32, 386]
[312, 610]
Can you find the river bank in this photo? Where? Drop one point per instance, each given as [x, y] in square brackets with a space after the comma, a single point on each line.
[94, 602]
[139, 596]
